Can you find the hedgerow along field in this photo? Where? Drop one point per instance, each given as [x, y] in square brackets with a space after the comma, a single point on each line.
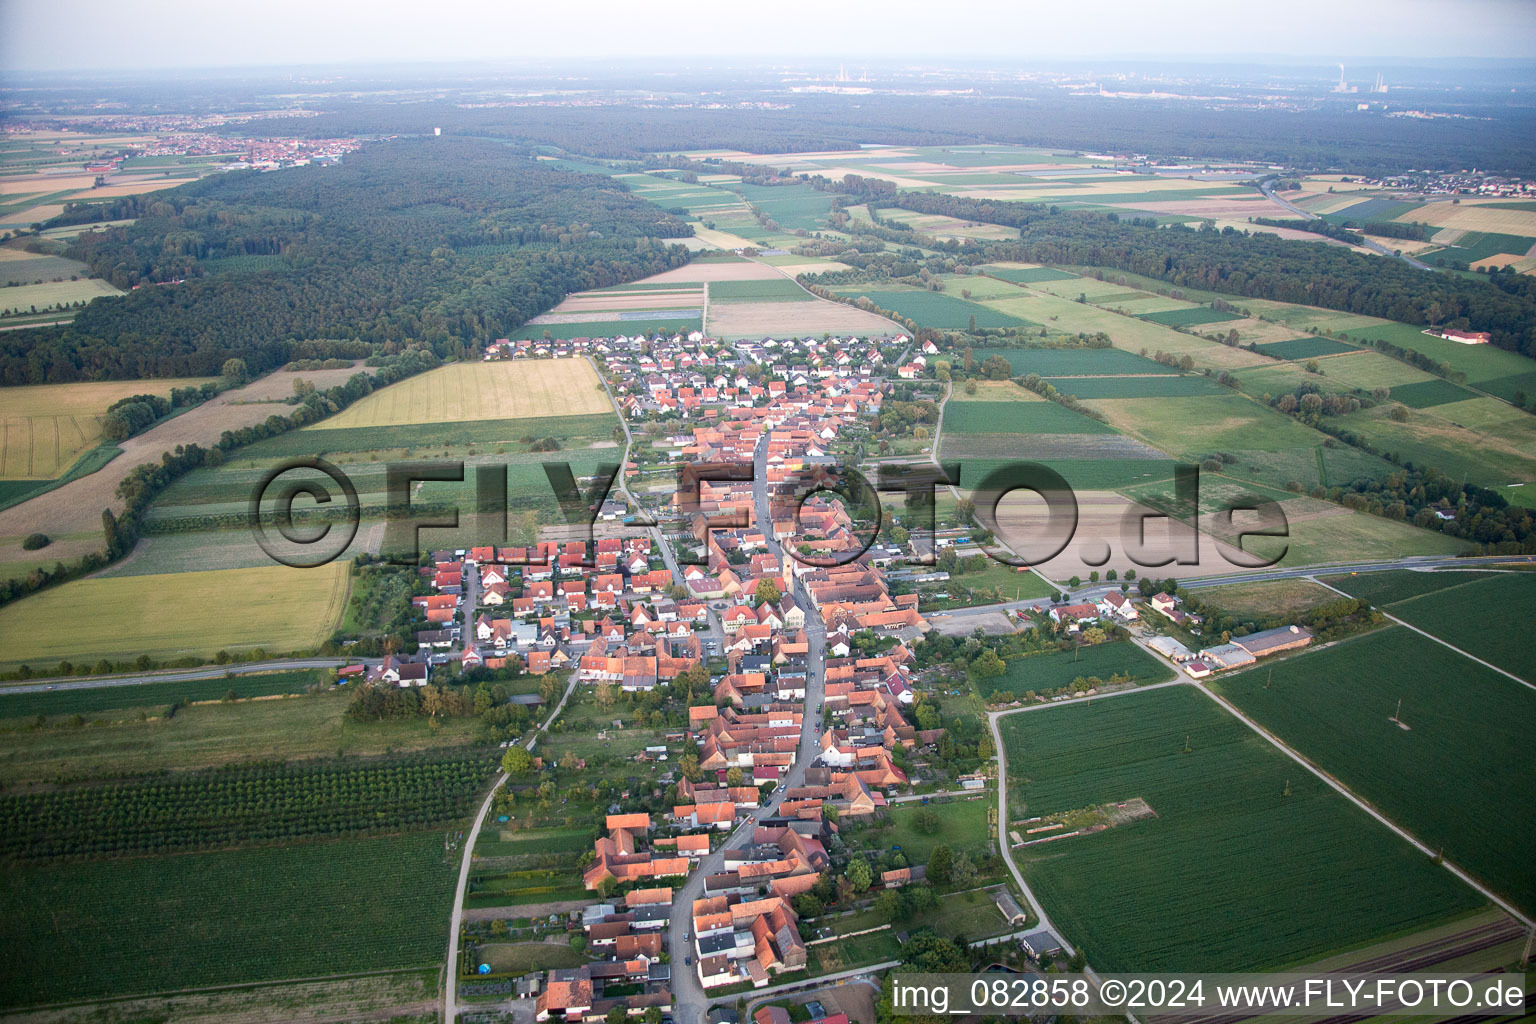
[94, 929]
[1041, 672]
[1451, 777]
[1462, 615]
[501, 390]
[175, 616]
[1242, 834]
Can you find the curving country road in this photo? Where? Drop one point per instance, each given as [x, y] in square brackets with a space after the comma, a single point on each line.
[1268, 188]
[456, 922]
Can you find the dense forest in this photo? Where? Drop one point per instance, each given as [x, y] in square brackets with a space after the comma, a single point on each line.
[441, 241]
[1495, 139]
[1258, 265]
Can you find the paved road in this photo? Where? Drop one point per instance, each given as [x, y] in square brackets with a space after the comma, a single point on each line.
[1094, 592]
[451, 973]
[176, 676]
[1268, 188]
[469, 594]
[690, 1002]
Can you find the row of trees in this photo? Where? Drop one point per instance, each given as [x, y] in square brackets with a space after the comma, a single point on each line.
[241, 804]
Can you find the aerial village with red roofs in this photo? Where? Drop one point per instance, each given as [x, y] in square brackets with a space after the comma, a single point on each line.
[800, 802]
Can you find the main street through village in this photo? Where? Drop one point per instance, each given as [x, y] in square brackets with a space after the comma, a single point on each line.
[689, 1000]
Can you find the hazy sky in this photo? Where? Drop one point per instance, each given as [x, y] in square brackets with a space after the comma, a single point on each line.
[68, 34]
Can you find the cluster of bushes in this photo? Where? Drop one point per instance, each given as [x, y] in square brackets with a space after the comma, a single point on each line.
[128, 416]
[326, 364]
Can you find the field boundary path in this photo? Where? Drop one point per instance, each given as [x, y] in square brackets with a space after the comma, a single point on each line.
[1364, 805]
[1408, 625]
[451, 969]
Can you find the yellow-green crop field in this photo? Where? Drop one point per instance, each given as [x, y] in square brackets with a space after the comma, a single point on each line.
[482, 391]
[173, 616]
[45, 427]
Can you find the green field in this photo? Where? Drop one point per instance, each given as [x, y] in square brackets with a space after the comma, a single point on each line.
[1029, 275]
[1385, 588]
[661, 322]
[1454, 777]
[1083, 474]
[138, 695]
[113, 928]
[1190, 316]
[1428, 393]
[1228, 848]
[1159, 386]
[934, 309]
[1018, 418]
[167, 617]
[792, 207]
[1304, 348]
[1071, 362]
[1491, 454]
[426, 435]
[1194, 426]
[1480, 245]
[782, 290]
[1040, 672]
[1495, 370]
[1462, 612]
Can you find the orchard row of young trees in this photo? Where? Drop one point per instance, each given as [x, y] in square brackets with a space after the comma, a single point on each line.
[242, 804]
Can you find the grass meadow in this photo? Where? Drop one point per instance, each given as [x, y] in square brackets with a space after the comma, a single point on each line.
[175, 616]
[120, 741]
